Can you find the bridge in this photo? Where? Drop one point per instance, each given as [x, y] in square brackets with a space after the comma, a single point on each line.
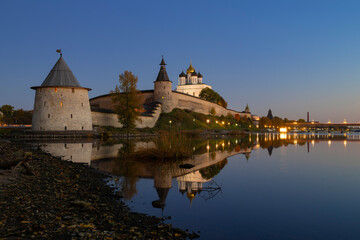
[316, 125]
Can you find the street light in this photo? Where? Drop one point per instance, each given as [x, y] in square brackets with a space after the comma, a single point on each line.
[207, 120]
[170, 124]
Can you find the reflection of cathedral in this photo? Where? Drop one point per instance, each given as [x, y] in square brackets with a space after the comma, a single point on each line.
[191, 184]
[191, 83]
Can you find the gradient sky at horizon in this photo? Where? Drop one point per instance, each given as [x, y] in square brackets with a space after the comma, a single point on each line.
[291, 56]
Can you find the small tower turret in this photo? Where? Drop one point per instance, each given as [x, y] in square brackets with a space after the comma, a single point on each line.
[182, 78]
[163, 89]
[200, 78]
[247, 109]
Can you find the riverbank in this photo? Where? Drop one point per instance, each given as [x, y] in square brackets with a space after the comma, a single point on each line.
[66, 200]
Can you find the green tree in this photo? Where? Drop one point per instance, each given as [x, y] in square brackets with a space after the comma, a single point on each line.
[7, 114]
[212, 96]
[127, 101]
[213, 112]
[222, 102]
[265, 121]
[301, 120]
[277, 122]
[22, 117]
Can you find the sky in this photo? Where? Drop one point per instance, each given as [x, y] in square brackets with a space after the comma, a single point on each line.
[289, 56]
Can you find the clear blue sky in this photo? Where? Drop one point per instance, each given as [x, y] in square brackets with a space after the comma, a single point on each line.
[290, 56]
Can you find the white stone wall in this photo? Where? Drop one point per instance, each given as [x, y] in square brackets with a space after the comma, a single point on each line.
[192, 89]
[195, 104]
[61, 109]
[111, 119]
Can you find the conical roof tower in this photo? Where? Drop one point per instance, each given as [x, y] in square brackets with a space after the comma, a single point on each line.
[162, 75]
[61, 75]
[61, 104]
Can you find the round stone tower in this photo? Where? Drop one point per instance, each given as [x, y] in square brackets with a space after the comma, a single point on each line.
[163, 89]
[61, 104]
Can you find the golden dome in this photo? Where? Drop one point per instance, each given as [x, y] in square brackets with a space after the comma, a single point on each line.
[191, 69]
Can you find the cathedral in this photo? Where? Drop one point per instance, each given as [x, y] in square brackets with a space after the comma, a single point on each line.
[191, 83]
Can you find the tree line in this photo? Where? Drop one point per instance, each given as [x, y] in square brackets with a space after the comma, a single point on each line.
[10, 116]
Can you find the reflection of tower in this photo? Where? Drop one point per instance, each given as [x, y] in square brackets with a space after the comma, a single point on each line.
[191, 184]
[270, 149]
[162, 193]
[76, 152]
[162, 183]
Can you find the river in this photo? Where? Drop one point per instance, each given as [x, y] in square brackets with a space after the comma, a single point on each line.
[259, 186]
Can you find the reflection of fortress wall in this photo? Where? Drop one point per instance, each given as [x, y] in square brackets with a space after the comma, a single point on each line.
[101, 152]
[76, 152]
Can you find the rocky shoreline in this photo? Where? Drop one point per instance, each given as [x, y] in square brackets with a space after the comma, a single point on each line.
[65, 200]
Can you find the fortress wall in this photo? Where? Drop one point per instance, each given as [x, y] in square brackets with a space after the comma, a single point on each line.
[111, 119]
[105, 119]
[195, 104]
[105, 101]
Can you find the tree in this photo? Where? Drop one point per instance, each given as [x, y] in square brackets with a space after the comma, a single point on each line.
[21, 116]
[265, 121]
[270, 116]
[301, 120]
[212, 111]
[277, 122]
[127, 101]
[212, 96]
[7, 114]
[222, 102]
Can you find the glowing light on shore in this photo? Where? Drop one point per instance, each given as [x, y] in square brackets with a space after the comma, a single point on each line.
[344, 121]
[329, 121]
[283, 129]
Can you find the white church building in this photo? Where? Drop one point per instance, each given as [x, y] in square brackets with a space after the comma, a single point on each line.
[191, 83]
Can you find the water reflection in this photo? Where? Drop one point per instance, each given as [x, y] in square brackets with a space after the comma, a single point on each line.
[259, 186]
[209, 157]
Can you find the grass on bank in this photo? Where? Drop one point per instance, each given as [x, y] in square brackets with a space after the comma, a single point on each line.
[179, 119]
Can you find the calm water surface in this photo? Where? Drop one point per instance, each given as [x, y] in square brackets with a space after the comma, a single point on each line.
[251, 187]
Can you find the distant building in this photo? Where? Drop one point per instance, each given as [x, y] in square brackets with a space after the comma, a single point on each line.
[270, 116]
[191, 83]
